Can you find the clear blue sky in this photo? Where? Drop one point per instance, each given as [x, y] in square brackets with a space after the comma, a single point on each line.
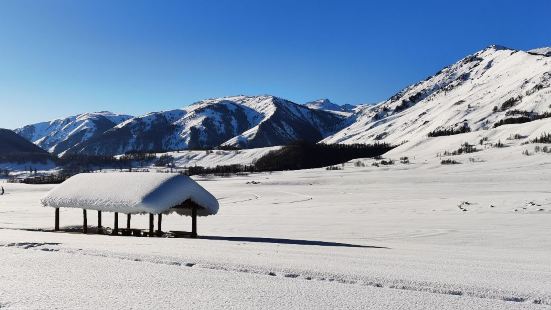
[63, 57]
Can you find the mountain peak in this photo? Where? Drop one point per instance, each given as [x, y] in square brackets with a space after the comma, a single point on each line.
[482, 91]
[497, 47]
[327, 105]
[322, 101]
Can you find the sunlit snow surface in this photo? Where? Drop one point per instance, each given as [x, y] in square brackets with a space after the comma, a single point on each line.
[468, 93]
[408, 236]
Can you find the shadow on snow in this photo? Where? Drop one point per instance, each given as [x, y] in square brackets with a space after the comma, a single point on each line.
[290, 241]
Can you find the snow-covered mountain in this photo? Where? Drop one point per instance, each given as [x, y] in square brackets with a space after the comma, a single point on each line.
[490, 88]
[59, 135]
[487, 89]
[239, 121]
[327, 105]
[545, 51]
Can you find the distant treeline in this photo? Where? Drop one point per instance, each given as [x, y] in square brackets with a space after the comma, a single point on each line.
[304, 155]
[25, 157]
[299, 155]
[75, 161]
[524, 118]
[227, 170]
[296, 156]
[42, 179]
[449, 131]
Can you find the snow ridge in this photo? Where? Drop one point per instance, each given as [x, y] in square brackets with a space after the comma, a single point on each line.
[473, 94]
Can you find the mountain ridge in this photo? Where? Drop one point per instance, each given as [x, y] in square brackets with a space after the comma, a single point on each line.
[58, 135]
[477, 92]
[489, 88]
[233, 121]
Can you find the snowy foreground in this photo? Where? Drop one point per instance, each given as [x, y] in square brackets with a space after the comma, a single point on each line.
[415, 236]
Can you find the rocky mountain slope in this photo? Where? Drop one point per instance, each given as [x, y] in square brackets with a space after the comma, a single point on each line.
[488, 89]
[59, 135]
[240, 121]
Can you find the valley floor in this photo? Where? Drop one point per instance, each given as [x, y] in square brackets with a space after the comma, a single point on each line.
[407, 236]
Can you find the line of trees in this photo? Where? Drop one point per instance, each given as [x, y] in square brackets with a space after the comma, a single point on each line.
[544, 138]
[304, 155]
[299, 155]
[525, 118]
[25, 157]
[449, 131]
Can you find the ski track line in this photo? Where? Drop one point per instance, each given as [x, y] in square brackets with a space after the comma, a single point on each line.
[256, 197]
[307, 198]
[338, 279]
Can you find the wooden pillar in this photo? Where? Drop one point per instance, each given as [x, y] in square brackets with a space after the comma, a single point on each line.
[56, 226]
[116, 224]
[84, 221]
[194, 221]
[151, 218]
[128, 221]
[99, 220]
[159, 221]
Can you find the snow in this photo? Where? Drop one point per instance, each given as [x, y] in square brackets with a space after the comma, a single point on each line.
[131, 193]
[390, 237]
[218, 157]
[130, 283]
[421, 235]
[463, 93]
[327, 105]
[546, 51]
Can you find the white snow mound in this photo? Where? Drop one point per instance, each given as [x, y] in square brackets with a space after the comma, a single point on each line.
[131, 193]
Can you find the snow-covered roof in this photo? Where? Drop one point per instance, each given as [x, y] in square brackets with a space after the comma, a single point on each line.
[128, 192]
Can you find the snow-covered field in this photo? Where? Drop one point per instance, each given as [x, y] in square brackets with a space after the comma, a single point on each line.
[213, 158]
[407, 236]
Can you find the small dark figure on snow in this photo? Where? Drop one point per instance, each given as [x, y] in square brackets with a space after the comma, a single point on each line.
[2, 192]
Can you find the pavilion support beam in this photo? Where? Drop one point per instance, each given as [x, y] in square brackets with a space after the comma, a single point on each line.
[128, 216]
[56, 225]
[99, 221]
[194, 221]
[84, 222]
[151, 228]
[116, 224]
[159, 223]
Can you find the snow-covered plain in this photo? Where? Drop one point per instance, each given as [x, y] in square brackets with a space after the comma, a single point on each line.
[407, 236]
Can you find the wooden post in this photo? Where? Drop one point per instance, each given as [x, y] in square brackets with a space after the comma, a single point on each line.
[56, 226]
[116, 228]
[159, 221]
[99, 220]
[151, 217]
[128, 221]
[84, 222]
[194, 221]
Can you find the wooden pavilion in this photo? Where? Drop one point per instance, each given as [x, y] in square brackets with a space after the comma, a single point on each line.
[133, 193]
